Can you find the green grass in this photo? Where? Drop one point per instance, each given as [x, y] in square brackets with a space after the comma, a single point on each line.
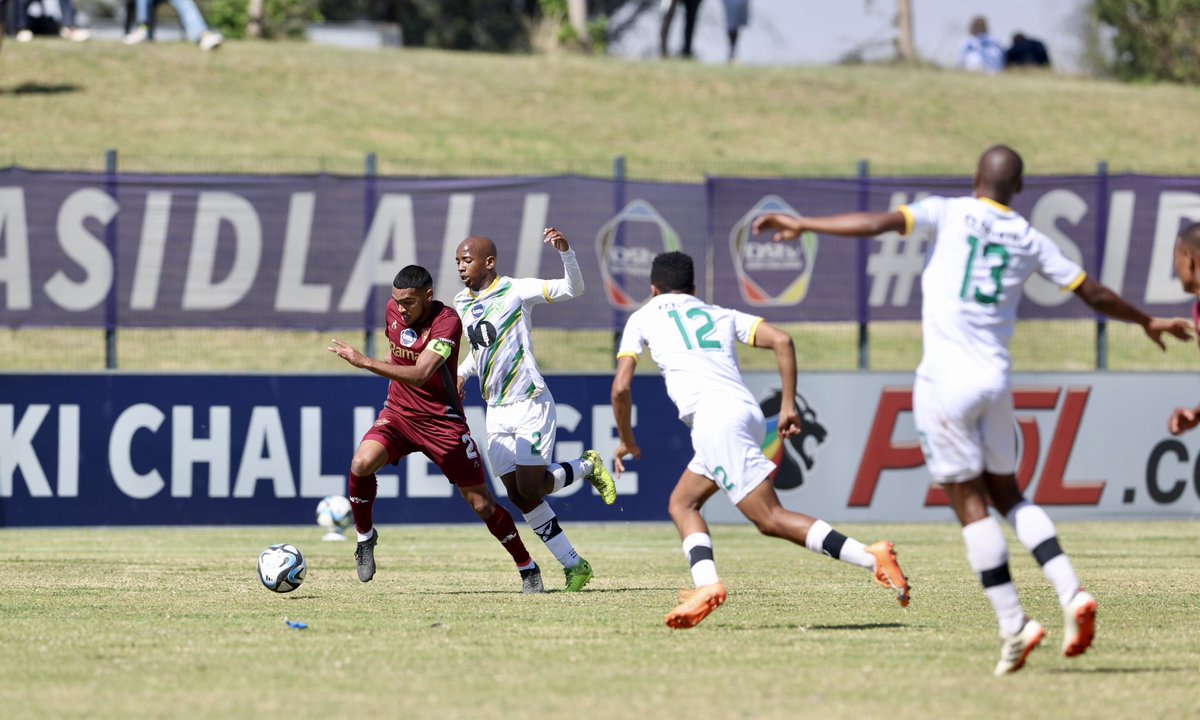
[109, 623]
[282, 107]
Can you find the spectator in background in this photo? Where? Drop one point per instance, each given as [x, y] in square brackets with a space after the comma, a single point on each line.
[979, 52]
[737, 16]
[194, 26]
[691, 10]
[67, 30]
[1026, 52]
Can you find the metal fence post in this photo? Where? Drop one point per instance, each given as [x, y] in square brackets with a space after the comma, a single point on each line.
[864, 313]
[370, 172]
[1101, 242]
[618, 239]
[110, 240]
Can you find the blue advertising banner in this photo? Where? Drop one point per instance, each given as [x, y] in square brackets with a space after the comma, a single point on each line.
[257, 449]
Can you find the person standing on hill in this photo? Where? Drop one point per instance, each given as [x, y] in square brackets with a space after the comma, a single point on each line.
[962, 399]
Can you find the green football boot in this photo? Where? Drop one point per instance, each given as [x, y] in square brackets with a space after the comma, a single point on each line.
[600, 478]
[578, 576]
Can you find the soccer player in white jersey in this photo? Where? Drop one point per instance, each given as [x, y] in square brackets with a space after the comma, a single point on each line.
[1187, 267]
[962, 398]
[497, 313]
[694, 345]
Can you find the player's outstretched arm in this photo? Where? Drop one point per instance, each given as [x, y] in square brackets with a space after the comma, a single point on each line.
[430, 359]
[1105, 301]
[857, 224]
[1183, 419]
[769, 336]
[571, 284]
[622, 403]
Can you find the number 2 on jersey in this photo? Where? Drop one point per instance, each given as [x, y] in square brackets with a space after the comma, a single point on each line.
[997, 271]
[701, 333]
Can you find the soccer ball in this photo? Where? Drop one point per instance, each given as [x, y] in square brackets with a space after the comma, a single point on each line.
[281, 568]
[333, 513]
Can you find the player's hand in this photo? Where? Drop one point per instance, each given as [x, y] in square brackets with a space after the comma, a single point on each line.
[789, 422]
[347, 353]
[551, 236]
[786, 227]
[620, 453]
[462, 388]
[1183, 419]
[1179, 327]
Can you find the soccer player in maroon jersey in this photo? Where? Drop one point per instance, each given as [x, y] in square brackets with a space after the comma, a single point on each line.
[423, 414]
[1187, 267]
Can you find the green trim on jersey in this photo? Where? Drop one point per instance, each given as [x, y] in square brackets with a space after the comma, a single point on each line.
[502, 334]
[512, 374]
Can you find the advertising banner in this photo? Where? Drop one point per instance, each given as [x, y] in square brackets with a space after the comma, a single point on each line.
[205, 449]
[319, 251]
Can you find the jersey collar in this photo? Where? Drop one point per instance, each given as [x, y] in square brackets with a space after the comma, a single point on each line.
[486, 290]
[994, 205]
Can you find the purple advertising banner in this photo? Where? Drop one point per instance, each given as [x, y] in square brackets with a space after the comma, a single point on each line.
[319, 252]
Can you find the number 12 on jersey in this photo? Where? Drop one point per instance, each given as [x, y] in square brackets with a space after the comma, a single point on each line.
[701, 333]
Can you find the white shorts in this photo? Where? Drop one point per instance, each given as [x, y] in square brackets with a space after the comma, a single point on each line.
[521, 433]
[727, 438]
[964, 430]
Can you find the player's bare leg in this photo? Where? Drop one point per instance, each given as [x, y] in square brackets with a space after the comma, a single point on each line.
[524, 486]
[1037, 533]
[689, 495]
[502, 527]
[762, 508]
[987, 552]
[368, 459]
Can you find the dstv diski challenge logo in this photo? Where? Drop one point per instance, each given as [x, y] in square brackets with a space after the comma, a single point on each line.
[626, 247]
[795, 456]
[771, 274]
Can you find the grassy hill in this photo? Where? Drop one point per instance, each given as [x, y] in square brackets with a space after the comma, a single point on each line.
[295, 107]
[286, 107]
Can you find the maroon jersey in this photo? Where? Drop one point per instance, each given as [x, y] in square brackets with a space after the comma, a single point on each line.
[439, 395]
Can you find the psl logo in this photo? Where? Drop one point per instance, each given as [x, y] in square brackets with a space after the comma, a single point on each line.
[626, 247]
[793, 456]
[762, 265]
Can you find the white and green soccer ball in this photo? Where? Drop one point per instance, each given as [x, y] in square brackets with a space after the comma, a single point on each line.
[333, 513]
[281, 568]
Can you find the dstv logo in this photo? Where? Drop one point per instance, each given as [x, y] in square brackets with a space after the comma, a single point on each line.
[630, 260]
[772, 256]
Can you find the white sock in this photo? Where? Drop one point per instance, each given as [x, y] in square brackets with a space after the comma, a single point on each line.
[824, 540]
[698, 549]
[1037, 533]
[368, 536]
[988, 554]
[544, 522]
[566, 473]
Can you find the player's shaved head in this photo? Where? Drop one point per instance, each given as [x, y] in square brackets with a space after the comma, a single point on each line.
[1190, 237]
[998, 175]
[479, 246]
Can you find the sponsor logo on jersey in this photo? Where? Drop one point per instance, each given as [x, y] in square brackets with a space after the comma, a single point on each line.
[395, 324]
[381, 422]
[408, 337]
[477, 310]
[796, 455]
[771, 274]
[626, 247]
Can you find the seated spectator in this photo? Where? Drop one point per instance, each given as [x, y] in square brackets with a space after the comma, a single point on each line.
[67, 28]
[979, 52]
[194, 26]
[1026, 52]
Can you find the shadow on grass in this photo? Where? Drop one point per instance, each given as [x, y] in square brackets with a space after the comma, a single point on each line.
[549, 591]
[34, 88]
[858, 626]
[1117, 670]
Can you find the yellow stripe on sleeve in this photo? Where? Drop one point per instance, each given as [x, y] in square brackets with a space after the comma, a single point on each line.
[909, 220]
[628, 355]
[754, 330]
[1076, 282]
[546, 291]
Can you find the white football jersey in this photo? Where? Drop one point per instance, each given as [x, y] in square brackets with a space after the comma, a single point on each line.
[693, 344]
[982, 254]
[497, 323]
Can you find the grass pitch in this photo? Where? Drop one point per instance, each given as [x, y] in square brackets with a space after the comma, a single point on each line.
[168, 622]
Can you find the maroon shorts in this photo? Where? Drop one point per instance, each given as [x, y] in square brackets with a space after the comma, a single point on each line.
[447, 443]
